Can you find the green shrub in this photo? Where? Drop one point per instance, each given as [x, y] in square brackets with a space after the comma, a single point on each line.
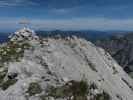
[43, 97]
[57, 92]
[102, 96]
[2, 75]
[77, 89]
[6, 84]
[34, 88]
[12, 51]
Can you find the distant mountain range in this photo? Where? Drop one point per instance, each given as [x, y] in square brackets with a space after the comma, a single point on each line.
[90, 35]
[4, 37]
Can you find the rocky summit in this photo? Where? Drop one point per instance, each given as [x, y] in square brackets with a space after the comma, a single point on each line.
[34, 68]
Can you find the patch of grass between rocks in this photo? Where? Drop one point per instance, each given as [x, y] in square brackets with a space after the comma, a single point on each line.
[34, 88]
[6, 84]
[77, 90]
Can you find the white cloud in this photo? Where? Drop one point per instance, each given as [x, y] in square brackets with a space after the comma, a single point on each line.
[60, 11]
[72, 24]
[85, 23]
[10, 3]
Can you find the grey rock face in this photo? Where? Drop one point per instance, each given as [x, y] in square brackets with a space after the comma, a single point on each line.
[55, 62]
[121, 49]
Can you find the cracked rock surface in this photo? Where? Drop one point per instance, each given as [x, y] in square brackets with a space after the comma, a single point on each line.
[55, 62]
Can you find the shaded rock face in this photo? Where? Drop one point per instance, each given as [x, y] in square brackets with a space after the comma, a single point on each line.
[121, 49]
[64, 69]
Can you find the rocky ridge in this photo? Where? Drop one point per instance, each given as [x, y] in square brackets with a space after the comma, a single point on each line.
[59, 69]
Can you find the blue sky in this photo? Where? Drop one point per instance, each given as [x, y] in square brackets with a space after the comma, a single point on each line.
[67, 14]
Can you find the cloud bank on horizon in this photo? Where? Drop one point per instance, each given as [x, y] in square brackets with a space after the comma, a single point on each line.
[68, 14]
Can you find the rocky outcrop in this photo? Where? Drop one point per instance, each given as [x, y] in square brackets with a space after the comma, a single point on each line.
[62, 69]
